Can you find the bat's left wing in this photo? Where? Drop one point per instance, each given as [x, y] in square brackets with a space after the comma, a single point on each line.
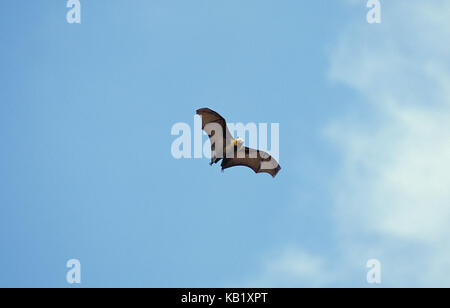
[258, 161]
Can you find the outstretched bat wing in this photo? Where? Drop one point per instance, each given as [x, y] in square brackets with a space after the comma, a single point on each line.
[216, 128]
[210, 116]
[258, 161]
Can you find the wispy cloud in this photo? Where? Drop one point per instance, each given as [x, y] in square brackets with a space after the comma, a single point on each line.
[395, 170]
[391, 194]
[292, 267]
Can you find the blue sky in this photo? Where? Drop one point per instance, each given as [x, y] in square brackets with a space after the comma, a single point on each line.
[86, 170]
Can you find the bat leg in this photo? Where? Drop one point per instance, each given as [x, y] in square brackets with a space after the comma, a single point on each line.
[214, 160]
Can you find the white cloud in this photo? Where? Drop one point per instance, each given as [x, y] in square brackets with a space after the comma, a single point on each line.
[292, 268]
[395, 176]
[392, 193]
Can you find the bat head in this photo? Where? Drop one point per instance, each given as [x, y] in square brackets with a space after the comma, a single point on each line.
[238, 142]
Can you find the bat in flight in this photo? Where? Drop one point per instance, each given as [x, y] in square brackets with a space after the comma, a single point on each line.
[232, 151]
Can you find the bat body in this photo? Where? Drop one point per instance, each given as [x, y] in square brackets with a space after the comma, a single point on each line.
[232, 151]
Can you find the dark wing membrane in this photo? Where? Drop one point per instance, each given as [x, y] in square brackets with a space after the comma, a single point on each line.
[258, 161]
[210, 116]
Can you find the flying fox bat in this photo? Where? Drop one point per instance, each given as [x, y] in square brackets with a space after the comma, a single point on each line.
[232, 151]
